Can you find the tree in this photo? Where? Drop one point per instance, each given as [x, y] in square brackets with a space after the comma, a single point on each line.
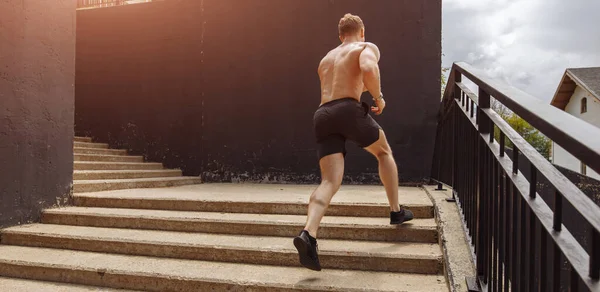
[534, 137]
[444, 80]
[444, 70]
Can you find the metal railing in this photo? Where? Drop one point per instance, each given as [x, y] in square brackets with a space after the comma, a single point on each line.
[520, 242]
[106, 3]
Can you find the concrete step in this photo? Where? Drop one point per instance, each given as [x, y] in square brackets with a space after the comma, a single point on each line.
[90, 145]
[22, 285]
[81, 186]
[98, 151]
[163, 274]
[124, 174]
[423, 258]
[94, 165]
[107, 158]
[83, 139]
[357, 201]
[332, 227]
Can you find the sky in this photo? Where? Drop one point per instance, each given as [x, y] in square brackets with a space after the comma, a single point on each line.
[526, 43]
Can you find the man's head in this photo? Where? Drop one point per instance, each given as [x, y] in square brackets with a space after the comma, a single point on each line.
[351, 26]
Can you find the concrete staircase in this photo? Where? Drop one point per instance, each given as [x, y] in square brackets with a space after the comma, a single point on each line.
[97, 168]
[217, 237]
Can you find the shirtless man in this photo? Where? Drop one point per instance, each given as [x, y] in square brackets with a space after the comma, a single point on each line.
[346, 72]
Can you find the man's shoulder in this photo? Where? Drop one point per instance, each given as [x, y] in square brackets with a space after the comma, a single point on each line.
[371, 46]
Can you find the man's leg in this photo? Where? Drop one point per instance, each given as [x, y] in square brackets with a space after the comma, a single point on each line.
[388, 171]
[332, 172]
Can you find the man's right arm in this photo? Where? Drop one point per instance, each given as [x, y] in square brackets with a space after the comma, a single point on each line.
[368, 61]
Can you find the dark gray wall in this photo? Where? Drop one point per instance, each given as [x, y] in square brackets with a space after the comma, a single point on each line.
[227, 89]
[37, 54]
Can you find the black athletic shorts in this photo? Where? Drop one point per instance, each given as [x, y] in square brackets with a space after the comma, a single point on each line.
[341, 120]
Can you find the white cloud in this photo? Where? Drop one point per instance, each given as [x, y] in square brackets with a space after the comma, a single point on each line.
[526, 43]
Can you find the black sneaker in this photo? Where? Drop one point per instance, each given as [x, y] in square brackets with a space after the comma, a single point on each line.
[307, 250]
[401, 216]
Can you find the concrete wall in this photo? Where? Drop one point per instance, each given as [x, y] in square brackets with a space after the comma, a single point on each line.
[559, 155]
[227, 89]
[37, 54]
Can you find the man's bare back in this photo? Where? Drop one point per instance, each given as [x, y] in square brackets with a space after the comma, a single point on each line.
[340, 71]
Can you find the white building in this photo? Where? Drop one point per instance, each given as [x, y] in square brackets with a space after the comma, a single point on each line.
[578, 94]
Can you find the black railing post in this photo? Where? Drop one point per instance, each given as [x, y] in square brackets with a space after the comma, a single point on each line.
[595, 255]
[543, 262]
[484, 103]
[483, 231]
[457, 94]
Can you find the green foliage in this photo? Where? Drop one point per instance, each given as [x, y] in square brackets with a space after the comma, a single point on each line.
[534, 137]
[444, 80]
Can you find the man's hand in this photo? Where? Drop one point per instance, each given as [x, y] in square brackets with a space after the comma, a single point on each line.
[380, 105]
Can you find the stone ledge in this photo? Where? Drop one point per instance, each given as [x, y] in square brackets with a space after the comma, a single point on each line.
[458, 258]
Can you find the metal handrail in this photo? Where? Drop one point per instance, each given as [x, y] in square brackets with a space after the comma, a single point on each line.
[551, 122]
[573, 134]
[481, 182]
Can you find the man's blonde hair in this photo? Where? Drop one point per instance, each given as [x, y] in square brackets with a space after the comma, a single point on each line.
[350, 24]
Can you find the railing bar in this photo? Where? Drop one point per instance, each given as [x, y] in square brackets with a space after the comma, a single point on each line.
[475, 196]
[532, 250]
[485, 218]
[543, 262]
[472, 108]
[462, 136]
[492, 129]
[464, 200]
[467, 104]
[557, 220]
[469, 201]
[507, 230]
[556, 267]
[492, 215]
[475, 186]
[595, 255]
[479, 240]
[515, 160]
[490, 218]
[484, 103]
[532, 181]
[500, 227]
[514, 238]
[468, 170]
[502, 144]
[497, 218]
[574, 279]
[523, 266]
[455, 117]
